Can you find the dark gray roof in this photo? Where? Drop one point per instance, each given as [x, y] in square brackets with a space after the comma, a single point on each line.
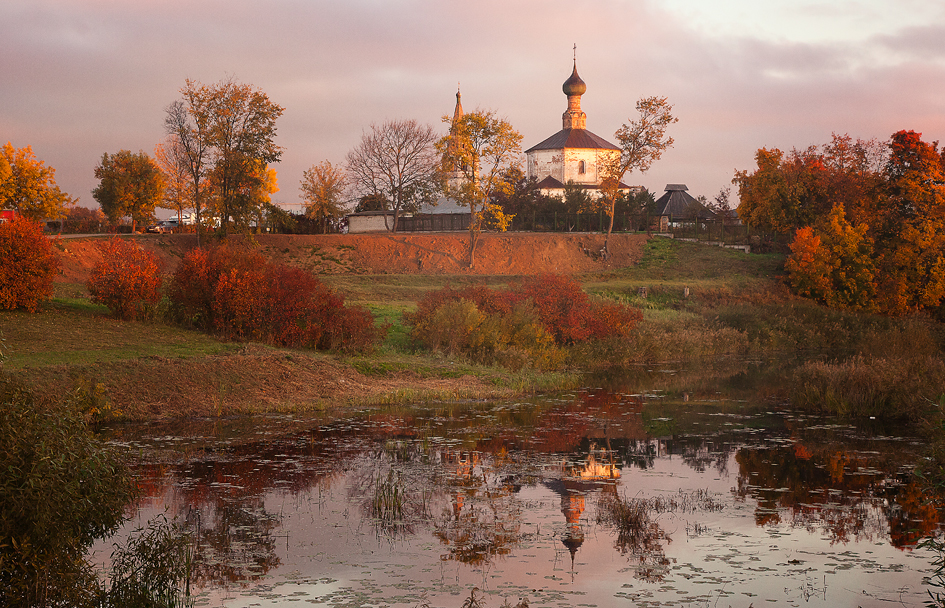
[573, 138]
[550, 183]
[680, 187]
[677, 204]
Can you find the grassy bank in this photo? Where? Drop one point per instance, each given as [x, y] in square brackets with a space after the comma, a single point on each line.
[699, 303]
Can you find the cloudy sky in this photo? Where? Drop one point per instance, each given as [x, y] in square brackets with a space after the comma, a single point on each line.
[82, 77]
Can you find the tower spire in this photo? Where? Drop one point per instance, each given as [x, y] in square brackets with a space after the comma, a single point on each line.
[574, 87]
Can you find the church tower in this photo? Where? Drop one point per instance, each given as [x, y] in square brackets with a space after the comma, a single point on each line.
[573, 154]
[574, 87]
[457, 174]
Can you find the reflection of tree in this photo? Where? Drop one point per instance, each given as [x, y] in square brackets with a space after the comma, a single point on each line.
[483, 519]
[237, 545]
[848, 495]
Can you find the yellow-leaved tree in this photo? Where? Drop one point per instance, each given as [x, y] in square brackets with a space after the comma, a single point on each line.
[478, 151]
[323, 191]
[28, 186]
[641, 142]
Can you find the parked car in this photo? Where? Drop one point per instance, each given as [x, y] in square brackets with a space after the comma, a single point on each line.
[164, 226]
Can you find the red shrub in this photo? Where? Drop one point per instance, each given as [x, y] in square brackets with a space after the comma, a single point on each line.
[240, 296]
[127, 279]
[352, 329]
[192, 291]
[27, 265]
[239, 303]
[608, 319]
[562, 306]
[564, 310]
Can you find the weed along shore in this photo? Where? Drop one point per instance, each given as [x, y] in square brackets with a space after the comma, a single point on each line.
[676, 428]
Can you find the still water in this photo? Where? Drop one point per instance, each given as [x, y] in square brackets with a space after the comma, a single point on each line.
[747, 505]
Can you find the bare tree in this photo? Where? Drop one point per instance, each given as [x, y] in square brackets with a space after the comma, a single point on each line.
[396, 160]
[193, 136]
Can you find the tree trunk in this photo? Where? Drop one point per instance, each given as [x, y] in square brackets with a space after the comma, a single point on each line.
[610, 227]
[473, 238]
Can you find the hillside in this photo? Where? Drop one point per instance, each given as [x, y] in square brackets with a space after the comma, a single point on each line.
[433, 254]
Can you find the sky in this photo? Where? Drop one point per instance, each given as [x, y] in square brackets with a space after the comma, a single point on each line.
[79, 78]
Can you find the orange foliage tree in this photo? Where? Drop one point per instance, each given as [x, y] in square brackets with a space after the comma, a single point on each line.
[28, 267]
[127, 279]
[890, 255]
[834, 265]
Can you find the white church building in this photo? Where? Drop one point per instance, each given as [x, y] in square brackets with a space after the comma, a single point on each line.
[573, 153]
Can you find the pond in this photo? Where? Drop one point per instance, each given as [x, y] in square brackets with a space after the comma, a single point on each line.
[743, 504]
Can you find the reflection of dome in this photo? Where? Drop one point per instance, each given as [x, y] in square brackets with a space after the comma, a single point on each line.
[573, 542]
[574, 85]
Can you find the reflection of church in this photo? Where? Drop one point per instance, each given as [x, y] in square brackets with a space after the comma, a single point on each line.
[598, 473]
[573, 154]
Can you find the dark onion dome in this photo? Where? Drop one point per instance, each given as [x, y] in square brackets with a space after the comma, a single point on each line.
[574, 85]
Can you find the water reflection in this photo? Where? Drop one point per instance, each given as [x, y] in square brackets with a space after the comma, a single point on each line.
[488, 487]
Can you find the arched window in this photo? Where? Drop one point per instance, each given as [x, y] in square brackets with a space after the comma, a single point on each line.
[582, 168]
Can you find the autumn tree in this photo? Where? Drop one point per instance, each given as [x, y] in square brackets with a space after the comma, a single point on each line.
[323, 188]
[130, 185]
[396, 160]
[792, 190]
[172, 159]
[227, 132]
[641, 142]
[28, 186]
[243, 129]
[910, 226]
[479, 148]
[834, 264]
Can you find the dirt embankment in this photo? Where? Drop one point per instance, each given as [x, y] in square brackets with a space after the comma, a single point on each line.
[435, 253]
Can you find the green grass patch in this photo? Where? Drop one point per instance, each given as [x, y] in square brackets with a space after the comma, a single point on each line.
[77, 332]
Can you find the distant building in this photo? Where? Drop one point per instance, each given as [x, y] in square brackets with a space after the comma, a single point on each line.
[572, 154]
[370, 221]
[676, 208]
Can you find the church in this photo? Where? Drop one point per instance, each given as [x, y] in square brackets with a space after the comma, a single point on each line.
[571, 154]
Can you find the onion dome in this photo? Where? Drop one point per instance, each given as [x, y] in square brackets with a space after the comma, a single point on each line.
[574, 85]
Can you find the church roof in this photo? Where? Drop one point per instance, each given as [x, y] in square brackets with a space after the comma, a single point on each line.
[550, 183]
[677, 204]
[573, 138]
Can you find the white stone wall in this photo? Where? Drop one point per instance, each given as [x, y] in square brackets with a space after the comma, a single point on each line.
[564, 165]
[368, 223]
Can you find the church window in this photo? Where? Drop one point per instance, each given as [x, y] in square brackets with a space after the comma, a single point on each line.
[582, 169]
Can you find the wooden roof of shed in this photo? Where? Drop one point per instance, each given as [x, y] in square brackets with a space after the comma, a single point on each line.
[677, 203]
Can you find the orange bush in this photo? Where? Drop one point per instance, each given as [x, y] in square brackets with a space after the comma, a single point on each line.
[127, 279]
[28, 265]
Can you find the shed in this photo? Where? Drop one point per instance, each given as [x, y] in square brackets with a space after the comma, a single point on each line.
[676, 207]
